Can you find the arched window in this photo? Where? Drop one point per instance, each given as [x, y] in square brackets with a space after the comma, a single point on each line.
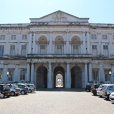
[22, 75]
[75, 43]
[59, 45]
[43, 45]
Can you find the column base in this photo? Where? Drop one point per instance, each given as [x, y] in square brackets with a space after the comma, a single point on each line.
[49, 84]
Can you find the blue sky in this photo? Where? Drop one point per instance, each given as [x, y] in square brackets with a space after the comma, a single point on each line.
[19, 11]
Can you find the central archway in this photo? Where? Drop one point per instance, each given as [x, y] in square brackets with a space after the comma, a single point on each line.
[59, 77]
[41, 77]
[76, 77]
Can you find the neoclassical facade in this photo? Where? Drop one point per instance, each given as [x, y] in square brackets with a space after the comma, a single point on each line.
[57, 50]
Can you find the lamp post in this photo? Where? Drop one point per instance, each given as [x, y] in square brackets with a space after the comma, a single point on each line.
[7, 75]
[110, 73]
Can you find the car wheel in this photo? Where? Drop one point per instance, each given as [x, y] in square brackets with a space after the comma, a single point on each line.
[30, 91]
[12, 93]
[1, 96]
[22, 92]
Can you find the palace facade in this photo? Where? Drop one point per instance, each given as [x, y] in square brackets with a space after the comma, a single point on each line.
[57, 50]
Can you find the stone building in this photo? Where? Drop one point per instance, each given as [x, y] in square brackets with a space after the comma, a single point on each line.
[57, 50]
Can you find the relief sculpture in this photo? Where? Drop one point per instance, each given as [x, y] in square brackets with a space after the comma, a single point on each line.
[58, 17]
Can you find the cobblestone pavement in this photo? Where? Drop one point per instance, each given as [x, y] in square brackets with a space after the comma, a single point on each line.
[56, 102]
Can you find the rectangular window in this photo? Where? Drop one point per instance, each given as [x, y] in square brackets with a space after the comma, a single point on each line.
[42, 49]
[93, 36]
[59, 49]
[75, 49]
[104, 37]
[24, 37]
[95, 75]
[2, 37]
[13, 37]
[1, 50]
[23, 50]
[10, 77]
[105, 50]
[94, 50]
[12, 50]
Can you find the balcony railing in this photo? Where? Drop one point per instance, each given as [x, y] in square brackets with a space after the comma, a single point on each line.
[59, 55]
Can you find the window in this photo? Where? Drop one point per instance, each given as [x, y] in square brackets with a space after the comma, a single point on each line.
[24, 37]
[105, 50]
[42, 49]
[0, 74]
[1, 50]
[104, 36]
[23, 50]
[12, 50]
[94, 49]
[13, 37]
[113, 36]
[59, 49]
[93, 36]
[95, 75]
[10, 76]
[75, 49]
[107, 75]
[2, 37]
[22, 75]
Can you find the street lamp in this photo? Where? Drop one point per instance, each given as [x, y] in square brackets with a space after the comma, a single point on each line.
[7, 75]
[110, 75]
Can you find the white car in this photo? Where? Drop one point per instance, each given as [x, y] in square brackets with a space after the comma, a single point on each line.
[111, 97]
[100, 89]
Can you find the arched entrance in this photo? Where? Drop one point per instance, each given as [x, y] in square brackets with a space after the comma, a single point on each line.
[59, 77]
[41, 77]
[76, 77]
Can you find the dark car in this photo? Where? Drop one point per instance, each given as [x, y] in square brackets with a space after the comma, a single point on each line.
[23, 87]
[4, 91]
[94, 88]
[88, 87]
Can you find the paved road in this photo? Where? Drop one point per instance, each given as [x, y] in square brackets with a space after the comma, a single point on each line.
[56, 102]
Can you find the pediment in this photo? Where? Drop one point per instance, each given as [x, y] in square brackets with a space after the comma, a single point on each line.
[59, 17]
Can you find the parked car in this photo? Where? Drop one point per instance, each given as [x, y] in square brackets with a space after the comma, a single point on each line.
[14, 89]
[94, 88]
[111, 97]
[23, 87]
[88, 87]
[108, 90]
[100, 89]
[31, 88]
[4, 91]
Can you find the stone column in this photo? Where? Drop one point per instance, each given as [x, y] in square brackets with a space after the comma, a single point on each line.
[85, 74]
[88, 42]
[32, 73]
[34, 43]
[30, 43]
[50, 43]
[4, 76]
[50, 76]
[84, 47]
[90, 72]
[16, 74]
[28, 72]
[101, 73]
[68, 82]
[67, 43]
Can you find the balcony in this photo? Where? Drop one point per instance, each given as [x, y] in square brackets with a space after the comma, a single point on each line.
[59, 55]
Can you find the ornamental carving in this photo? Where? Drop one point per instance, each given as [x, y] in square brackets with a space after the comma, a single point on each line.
[59, 17]
[59, 40]
[75, 40]
[42, 40]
